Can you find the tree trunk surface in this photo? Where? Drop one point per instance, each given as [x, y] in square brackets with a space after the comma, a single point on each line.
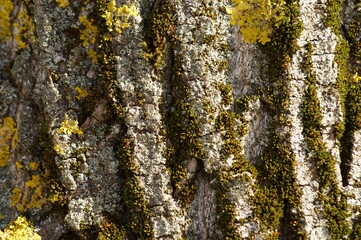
[159, 119]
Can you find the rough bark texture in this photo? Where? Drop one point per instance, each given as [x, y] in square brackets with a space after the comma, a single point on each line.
[153, 119]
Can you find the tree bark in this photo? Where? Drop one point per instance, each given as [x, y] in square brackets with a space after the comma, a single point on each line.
[157, 119]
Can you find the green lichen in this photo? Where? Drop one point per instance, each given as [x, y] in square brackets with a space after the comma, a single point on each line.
[105, 18]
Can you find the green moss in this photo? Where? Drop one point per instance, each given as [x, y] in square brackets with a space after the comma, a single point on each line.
[138, 222]
[277, 202]
[159, 34]
[184, 134]
[109, 230]
[349, 54]
[356, 228]
[232, 128]
[332, 198]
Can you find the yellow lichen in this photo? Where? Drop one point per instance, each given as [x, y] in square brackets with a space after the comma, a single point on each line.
[63, 3]
[34, 182]
[20, 229]
[356, 78]
[16, 197]
[117, 18]
[59, 149]
[18, 165]
[255, 18]
[34, 165]
[90, 32]
[8, 139]
[69, 126]
[33, 196]
[6, 7]
[93, 55]
[81, 93]
[24, 29]
[21, 27]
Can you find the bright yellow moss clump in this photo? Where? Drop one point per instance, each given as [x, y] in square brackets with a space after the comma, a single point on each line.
[255, 18]
[20, 229]
[90, 32]
[63, 3]
[69, 126]
[81, 93]
[6, 7]
[33, 196]
[8, 139]
[356, 78]
[117, 18]
[25, 29]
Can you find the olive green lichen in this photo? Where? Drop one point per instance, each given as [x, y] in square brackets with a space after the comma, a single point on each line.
[181, 122]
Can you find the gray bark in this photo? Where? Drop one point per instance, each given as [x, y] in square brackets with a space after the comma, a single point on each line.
[185, 131]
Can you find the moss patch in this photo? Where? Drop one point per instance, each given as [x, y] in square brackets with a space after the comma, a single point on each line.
[138, 222]
[332, 198]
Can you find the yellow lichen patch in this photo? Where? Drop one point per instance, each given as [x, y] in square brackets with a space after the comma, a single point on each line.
[16, 197]
[89, 33]
[117, 18]
[8, 139]
[81, 93]
[18, 165]
[24, 29]
[34, 165]
[255, 18]
[6, 7]
[20, 229]
[93, 55]
[356, 78]
[69, 126]
[33, 196]
[59, 149]
[37, 199]
[63, 3]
